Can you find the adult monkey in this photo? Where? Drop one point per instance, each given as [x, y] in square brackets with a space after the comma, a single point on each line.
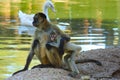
[47, 58]
[51, 57]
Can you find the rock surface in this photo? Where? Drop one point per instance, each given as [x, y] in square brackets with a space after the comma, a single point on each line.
[110, 69]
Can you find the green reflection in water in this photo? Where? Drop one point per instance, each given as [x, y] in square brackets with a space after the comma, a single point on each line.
[12, 60]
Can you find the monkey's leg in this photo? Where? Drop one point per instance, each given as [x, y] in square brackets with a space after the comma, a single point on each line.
[54, 57]
[30, 56]
[72, 65]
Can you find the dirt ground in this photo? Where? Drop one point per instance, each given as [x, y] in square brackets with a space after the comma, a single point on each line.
[110, 69]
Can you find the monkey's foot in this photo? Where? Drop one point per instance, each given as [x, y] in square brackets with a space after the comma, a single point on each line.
[73, 74]
[43, 66]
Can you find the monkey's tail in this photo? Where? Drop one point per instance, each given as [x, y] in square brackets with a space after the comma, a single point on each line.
[88, 60]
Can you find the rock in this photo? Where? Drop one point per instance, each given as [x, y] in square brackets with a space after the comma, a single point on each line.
[110, 59]
[110, 69]
[42, 74]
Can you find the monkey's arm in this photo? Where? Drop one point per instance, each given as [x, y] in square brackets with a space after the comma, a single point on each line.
[30, 56]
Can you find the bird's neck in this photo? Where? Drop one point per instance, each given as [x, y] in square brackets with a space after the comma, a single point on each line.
[45, 11]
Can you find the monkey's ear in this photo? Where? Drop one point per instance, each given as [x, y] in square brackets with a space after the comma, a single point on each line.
[42, 15]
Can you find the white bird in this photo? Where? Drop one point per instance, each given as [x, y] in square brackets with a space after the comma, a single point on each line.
[26, 20]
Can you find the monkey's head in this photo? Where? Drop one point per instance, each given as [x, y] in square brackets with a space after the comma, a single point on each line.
[39, 19]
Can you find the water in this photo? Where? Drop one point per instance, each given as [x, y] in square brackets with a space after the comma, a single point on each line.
[95, 24]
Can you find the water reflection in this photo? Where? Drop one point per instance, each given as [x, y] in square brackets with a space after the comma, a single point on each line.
[26, 30]
[95, 24]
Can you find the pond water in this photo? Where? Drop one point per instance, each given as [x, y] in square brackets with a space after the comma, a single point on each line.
[95, 24]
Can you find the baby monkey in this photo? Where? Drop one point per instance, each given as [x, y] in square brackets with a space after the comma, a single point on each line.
[56, 40]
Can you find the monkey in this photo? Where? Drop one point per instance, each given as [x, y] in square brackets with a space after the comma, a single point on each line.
[70, 49]
[48, 54]
[47, 58]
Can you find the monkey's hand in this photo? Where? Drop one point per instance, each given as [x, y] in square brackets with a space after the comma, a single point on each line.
[18, 71]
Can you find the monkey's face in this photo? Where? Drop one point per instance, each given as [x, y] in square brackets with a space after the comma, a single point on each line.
[37, 20]
[53, 36]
